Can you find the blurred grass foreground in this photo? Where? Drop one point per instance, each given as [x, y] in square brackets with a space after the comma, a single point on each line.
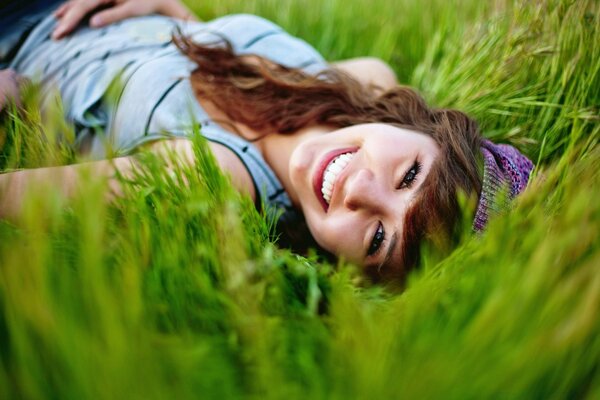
[177, 290]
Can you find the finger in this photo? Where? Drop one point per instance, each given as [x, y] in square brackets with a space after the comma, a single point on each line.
[73, 17]
[113, 14]
[60, 11]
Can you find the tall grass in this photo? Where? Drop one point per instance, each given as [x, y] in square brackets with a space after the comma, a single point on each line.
[176, 290]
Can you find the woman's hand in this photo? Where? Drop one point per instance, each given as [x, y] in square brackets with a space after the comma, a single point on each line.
[10, 87]
[71, 13]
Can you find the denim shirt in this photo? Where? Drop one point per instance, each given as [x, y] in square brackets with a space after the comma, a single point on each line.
[154, 96]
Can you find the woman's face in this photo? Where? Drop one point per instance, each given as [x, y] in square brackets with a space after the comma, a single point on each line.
[354, 186]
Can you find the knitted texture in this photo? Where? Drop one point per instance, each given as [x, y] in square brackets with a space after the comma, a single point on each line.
[504, 168]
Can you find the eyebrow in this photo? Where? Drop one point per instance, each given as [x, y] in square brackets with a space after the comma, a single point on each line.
[390, 250]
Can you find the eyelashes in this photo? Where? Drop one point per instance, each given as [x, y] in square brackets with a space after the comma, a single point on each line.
[410, 176]
[377, 240]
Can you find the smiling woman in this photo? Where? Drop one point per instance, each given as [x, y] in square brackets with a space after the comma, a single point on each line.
[363, 178]
[363, 164]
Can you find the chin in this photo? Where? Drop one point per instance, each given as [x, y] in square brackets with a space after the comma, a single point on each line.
[299, 168]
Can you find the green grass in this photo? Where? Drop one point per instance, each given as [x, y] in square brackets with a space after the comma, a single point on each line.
[177, 290]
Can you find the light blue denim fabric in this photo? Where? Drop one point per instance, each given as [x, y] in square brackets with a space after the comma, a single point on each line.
[154, 97]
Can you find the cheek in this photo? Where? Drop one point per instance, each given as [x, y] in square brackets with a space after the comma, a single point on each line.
[297, 157]
[339, 235]
[297, 164]
[321, 232]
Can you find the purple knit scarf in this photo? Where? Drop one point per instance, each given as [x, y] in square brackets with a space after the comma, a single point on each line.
[503, 168]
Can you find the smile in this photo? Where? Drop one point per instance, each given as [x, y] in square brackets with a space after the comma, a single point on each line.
[331, 172]
[328, 172]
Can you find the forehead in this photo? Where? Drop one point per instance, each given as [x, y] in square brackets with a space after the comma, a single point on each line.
[405, 210]
[394, 134]
[400, 146]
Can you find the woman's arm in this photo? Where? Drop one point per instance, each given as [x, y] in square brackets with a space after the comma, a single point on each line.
[104, 12]
[370, 71]
[14, 186]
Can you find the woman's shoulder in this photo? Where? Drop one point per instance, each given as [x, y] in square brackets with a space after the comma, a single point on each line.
[255, 35]
[249, 21]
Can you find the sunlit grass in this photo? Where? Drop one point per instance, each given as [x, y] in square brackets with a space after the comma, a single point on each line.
[176, 290]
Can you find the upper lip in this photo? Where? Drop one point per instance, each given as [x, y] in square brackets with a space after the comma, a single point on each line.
[320, 171]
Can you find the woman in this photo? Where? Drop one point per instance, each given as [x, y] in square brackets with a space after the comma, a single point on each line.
[369, 168]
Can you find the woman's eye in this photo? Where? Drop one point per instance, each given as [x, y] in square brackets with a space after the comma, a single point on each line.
[411, 175]
[377, 240]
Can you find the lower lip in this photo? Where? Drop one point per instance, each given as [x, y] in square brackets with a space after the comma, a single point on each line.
[320, 171]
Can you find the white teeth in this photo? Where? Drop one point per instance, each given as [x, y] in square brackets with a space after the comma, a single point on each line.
[331, 172]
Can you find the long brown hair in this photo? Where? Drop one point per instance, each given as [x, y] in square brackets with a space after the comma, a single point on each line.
[269, 97]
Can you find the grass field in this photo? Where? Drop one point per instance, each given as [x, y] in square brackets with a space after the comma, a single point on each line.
[178, 291]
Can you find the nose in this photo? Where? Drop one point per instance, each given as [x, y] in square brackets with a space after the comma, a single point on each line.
[361, 191]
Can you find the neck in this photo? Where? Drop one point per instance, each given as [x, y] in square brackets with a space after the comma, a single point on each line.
[277, 149]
